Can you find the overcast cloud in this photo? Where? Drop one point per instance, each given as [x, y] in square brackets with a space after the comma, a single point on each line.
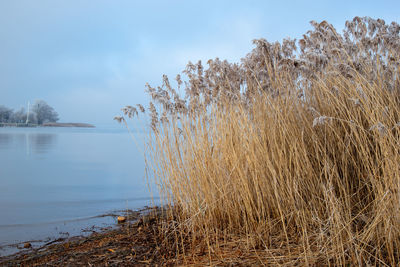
[87, 59]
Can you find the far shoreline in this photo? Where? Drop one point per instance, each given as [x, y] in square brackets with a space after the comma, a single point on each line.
[68, 124]
[48, 124]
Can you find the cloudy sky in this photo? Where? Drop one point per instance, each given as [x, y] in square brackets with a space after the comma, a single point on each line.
[88, 58]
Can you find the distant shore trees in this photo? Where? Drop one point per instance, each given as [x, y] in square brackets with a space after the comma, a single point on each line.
[44, 113]
[40, 113]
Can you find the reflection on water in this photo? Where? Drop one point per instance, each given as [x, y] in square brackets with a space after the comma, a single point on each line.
[5, 139]
[58, 175]
[41, 142]
[36, 143]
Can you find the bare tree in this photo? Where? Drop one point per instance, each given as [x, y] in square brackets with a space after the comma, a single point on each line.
[18, 116]
[5, 114]
[44, 112]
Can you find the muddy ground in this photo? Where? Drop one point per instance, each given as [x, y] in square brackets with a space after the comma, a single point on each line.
[136, 242]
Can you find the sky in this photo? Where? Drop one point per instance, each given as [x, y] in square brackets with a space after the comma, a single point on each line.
[89, 58]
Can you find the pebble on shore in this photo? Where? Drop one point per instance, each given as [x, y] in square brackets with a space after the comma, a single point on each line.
[121, 219]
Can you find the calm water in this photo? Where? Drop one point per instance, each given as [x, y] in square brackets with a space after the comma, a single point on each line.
[57, 180]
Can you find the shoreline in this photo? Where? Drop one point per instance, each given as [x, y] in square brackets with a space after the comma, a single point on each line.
[134, 242]
[68, 124]
[48, 124]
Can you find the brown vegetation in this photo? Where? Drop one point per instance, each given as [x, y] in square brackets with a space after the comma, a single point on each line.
[291, 157]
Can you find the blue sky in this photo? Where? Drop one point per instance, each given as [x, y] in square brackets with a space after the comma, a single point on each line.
[88, 59]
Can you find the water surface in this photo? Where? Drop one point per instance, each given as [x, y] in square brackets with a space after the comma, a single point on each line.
[58, 180]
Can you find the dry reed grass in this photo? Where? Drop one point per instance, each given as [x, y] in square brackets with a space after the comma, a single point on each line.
[289, 158]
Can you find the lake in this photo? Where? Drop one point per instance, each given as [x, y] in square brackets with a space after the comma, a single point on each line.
[54, 182]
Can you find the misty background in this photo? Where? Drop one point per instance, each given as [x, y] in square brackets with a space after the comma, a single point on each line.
[87, 59]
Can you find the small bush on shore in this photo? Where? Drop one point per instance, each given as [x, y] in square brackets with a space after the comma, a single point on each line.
[290, 157]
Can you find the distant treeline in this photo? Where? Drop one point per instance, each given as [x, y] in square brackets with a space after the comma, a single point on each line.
[40, 112]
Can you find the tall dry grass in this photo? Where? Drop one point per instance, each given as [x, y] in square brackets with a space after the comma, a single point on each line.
[291, 157]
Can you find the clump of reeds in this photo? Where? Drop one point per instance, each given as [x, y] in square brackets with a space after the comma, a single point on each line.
[291, 157]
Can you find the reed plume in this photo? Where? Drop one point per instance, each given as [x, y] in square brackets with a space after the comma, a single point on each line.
[290, 157]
